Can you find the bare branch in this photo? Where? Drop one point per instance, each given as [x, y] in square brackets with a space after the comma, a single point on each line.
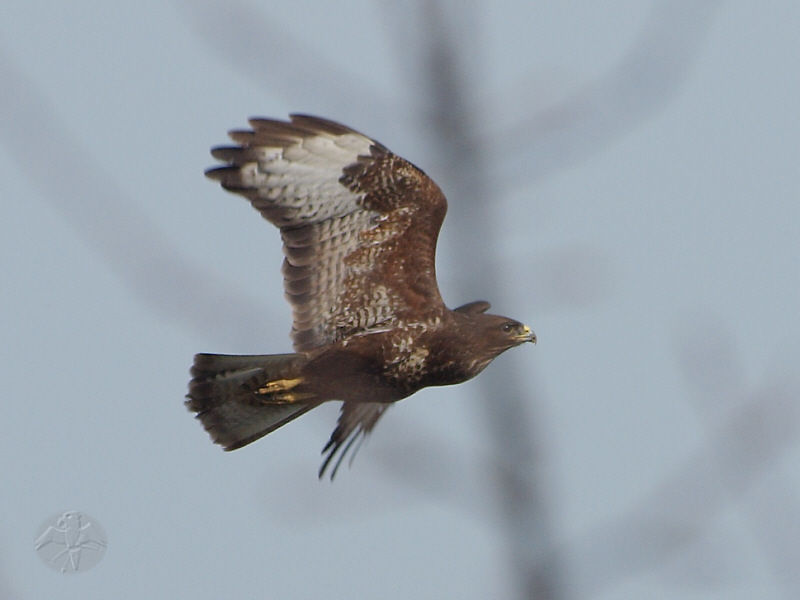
[666, 522]
[105, 216]
[262, 50]
[651, 74]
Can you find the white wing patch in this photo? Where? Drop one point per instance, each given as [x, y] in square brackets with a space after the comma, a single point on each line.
[299, 183]
[341, 243]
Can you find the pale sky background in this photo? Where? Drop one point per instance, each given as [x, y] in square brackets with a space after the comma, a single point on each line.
[654, 248]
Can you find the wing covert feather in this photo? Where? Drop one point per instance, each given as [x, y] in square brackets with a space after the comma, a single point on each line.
[358, 223]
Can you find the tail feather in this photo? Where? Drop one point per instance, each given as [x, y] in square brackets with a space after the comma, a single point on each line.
[227, 393]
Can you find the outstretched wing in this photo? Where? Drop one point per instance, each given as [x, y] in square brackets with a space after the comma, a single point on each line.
[359, 224]
[356, 420]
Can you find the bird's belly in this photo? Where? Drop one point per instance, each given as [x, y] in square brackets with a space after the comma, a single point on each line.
[380, 367]
[342, 375]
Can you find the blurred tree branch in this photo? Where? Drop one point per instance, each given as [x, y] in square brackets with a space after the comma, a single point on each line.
[104, 215]
[732, 466]
[733, 461]
[648, 77]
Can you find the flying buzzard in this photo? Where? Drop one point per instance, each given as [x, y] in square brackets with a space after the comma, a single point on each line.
[359, 227]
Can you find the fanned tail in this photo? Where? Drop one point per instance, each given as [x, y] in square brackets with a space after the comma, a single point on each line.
[240, 399]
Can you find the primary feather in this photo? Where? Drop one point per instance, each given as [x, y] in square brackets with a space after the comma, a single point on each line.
[359, 227]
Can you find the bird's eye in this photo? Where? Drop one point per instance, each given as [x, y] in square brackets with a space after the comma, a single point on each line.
[508, 327]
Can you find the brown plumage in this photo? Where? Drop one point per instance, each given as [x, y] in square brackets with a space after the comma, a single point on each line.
[359, 228]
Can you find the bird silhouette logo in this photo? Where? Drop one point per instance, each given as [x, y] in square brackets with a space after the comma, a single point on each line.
[72, 537]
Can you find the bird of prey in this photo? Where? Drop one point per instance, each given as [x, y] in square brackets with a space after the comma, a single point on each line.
[359, 227]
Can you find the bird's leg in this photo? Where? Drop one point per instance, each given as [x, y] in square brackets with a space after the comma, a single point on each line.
[280, 391]
[279, 385]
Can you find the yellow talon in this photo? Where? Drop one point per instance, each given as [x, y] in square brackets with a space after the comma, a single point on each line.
[279, 385]
[280, 391]
[290, 398]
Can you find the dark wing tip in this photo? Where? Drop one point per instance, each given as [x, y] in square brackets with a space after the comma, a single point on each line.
[332, 447]
[245, 137]
[318, 124]
[229, 177]
[474, 308]
[226, 153]
[219, 173]
[356, 421]
[315, 123]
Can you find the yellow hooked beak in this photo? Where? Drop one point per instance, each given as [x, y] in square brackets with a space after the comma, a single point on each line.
[527, 335]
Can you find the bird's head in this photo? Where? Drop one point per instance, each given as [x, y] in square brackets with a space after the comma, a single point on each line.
[494, 333]
[503, 333]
